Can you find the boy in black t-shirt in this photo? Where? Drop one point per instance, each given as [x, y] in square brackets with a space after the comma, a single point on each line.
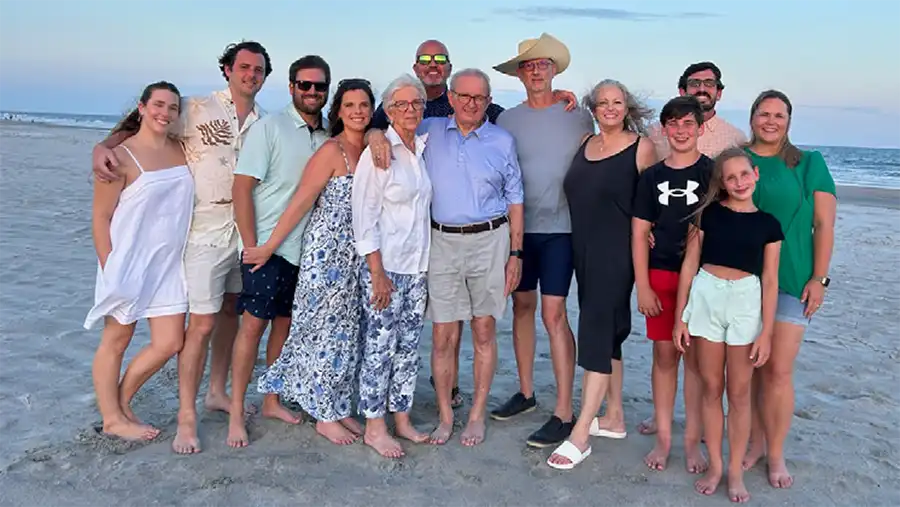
[666, 195]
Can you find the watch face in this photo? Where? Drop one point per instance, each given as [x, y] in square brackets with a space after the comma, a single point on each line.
[825, 281]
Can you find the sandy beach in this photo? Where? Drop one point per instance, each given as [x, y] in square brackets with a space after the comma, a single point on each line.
[844, 448]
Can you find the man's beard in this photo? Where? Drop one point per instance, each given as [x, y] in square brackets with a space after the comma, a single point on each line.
[301, 105]
[707, 106]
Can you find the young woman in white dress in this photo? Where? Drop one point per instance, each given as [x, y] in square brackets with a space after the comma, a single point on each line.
[140, 227]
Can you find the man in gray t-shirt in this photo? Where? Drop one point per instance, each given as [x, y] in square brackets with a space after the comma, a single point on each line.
[547, 138]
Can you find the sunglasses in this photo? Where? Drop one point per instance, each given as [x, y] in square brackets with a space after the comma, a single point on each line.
[307, 85]
[438, 59]
[354, 81]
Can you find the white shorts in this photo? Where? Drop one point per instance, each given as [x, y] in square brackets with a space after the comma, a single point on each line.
[724, 311]
[211, 273]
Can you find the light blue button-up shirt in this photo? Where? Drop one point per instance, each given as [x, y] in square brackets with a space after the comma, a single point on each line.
[275, 152]
[475, 178]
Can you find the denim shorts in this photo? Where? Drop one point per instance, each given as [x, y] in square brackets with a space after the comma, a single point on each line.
[790, 310]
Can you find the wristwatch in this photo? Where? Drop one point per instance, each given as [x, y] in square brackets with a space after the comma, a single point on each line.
[823, 280]
[515, 253]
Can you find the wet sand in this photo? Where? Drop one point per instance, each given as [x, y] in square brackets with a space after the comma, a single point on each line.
[843, 448]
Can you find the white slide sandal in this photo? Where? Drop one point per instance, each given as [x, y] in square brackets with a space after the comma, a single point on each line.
[596, 431]
[569, 451]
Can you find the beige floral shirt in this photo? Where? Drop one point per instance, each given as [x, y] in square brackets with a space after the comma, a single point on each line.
[718, 135]
[212, 141]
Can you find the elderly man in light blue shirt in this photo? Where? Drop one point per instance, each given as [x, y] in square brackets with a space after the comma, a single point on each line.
[477, 223]
[267, 175]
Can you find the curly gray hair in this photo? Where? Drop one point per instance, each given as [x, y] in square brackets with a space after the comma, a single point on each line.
[638, 115]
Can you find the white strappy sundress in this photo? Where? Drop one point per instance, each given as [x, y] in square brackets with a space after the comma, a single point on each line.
[144, 275]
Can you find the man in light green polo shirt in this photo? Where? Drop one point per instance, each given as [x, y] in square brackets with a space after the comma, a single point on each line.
[267, 175]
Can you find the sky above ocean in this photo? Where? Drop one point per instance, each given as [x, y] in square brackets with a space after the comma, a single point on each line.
[836, 59]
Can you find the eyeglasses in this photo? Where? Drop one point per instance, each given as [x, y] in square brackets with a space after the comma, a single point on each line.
[354, 81]
[403, 105]
[706, 83]
[305, 86]
[539, 64]
[438, 59]
[465, 98]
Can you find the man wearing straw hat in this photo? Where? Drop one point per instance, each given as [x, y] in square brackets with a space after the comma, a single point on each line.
[547, 138]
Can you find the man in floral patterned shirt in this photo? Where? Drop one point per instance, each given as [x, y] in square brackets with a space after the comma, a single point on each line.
[212, 128]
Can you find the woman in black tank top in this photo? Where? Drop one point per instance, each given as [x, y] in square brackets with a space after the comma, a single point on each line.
[599, 188]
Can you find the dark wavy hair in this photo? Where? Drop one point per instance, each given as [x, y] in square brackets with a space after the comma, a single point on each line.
[335, 124]
[700, 67]
[231, 51]
[132, 121]
[789, 153]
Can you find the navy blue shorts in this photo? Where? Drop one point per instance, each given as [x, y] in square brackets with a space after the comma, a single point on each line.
[268, 292]
[547, 260]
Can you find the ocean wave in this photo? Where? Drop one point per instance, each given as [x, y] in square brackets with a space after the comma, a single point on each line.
[87, 121]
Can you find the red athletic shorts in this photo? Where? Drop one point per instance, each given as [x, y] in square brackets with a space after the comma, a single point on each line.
[665, 285]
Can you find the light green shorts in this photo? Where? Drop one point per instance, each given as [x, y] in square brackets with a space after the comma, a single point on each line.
[728, 311]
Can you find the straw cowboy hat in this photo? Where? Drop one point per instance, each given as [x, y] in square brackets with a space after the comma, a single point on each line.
[547, 46]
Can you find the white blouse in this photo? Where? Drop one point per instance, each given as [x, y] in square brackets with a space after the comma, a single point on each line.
[392, 208]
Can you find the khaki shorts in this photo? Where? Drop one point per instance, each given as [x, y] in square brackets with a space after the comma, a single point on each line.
[211, 273]
[467, 275]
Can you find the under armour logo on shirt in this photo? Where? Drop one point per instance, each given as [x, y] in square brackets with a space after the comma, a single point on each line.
[687, 193]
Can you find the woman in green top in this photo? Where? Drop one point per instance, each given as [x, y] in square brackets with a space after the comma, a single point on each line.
[796, 187]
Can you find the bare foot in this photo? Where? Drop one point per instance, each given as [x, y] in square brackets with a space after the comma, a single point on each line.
[186, 441]
[129, 430]
[385, 445]
[222, 403]
[473, 434]
[657, 458]
[353, 426]
[737, 492]
[409, 432]
[708, 483]
[336, 433]
[237, 433]
[755, 451]
[647, 426]
[779, 477]
[441, 434]
[278, 411]
[615, 426]
[694, 460]
[129, 413]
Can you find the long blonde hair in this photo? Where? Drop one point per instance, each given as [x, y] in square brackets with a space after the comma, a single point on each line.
[716, 191]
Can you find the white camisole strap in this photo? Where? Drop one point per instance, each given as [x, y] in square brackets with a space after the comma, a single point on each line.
[138, 164]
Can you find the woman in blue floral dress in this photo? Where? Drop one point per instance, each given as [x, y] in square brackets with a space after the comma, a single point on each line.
[319, 364]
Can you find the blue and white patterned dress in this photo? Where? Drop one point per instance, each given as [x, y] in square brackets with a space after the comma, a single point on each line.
[319, 364]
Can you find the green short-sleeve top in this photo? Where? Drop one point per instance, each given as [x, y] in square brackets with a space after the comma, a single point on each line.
[788, 195]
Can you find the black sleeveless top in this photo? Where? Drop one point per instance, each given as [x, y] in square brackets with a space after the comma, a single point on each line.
[600, 195]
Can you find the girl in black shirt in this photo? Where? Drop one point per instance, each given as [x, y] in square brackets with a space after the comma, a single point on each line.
[727, 293]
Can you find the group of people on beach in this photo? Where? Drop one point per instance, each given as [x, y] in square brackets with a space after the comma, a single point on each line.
[341, 233]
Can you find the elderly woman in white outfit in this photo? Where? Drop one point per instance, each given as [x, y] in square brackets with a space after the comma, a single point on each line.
[391, 224]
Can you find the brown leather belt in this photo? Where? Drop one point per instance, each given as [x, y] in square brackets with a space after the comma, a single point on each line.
[471, 228]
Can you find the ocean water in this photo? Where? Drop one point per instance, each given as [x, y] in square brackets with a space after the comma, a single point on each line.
[867, 167]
